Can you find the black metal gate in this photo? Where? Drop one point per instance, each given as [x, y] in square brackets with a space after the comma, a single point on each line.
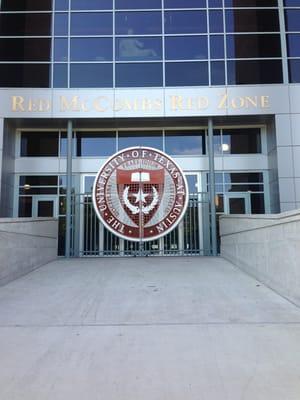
[89, 238]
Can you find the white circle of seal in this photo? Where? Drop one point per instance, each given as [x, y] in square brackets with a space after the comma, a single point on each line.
[140, 193]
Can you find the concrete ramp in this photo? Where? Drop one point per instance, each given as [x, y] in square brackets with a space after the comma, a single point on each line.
[146, 328]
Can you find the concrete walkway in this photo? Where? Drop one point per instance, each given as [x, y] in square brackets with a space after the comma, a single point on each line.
[151, 328]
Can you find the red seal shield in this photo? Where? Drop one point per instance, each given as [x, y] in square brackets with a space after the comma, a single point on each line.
[140, 194]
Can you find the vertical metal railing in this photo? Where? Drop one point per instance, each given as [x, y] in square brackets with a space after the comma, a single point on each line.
[191, 237]
[69, 189]
[211, 157]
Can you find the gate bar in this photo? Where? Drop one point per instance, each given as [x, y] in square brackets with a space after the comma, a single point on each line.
[212, 186]
[69, 188]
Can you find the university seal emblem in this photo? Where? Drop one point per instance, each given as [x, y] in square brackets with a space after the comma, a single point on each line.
[140, 193]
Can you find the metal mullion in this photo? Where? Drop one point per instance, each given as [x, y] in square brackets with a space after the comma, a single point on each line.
[195, 205]
[185, 232]
[121, 35]
[163, 42]
[90, 62]
[212, 187]
[187, 9]
[255, 33]
[69, 185]
[25, 62]
[25, 36]
[225, 44]
[251, 8]
[114, 44]
[27, 12]
[187, 60]
[86, 216]
[283, 39]
[190, 205]
[188, 34]
[254, 59]
[90, 36]
[52, 59]
[137, 9]
[90, 11]
[120, 62]
[208, 44]
[95, 229]
[110, 242]
[69, 45]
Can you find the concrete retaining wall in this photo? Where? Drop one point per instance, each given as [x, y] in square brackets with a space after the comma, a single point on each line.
[267, 247]
[26, 244]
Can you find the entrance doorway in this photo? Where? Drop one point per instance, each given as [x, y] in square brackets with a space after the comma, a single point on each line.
[190, 237]
[237, 203]
[44, 206]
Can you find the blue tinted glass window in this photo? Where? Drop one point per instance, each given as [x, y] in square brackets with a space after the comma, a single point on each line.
[60, 76]
[94, 144]
[137, 4]
[33, 144]
[185, 3]
[216, 21]
[138, 48]
[139, 75]
[253, 46]
[61, 5]
[91, 49]
[25, 49]
[60, 49]
[187, 74]
[25, 75]
[192, 181]
[252, 20]
[149, 139]
[294, 70]
[293, 43]
[242, 141]
[61, 24]
[251, 3]
[91, 75]
[91, 23]
[25, 24]
[88, 183]
[217, 70]
[292, 20]
[292, 3]
[217, 46]
[186, 47]
[91, 4]
[215, 3]
[185, 22]
[25, 5]
[254, 71]
[185, 142]
[138, 23]
[64, 152]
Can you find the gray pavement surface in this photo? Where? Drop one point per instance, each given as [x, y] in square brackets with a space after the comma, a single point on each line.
[146, 328]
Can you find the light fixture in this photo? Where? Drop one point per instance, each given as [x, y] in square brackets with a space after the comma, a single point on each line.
[225, 147]
[26, 186]
[217, 200]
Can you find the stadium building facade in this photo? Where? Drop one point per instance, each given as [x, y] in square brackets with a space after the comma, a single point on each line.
[215, 84]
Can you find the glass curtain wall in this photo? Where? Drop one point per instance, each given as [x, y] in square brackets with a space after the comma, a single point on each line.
[34, 190]
[33, 187]
[145, 43]
[292, 24]
[102, 144]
